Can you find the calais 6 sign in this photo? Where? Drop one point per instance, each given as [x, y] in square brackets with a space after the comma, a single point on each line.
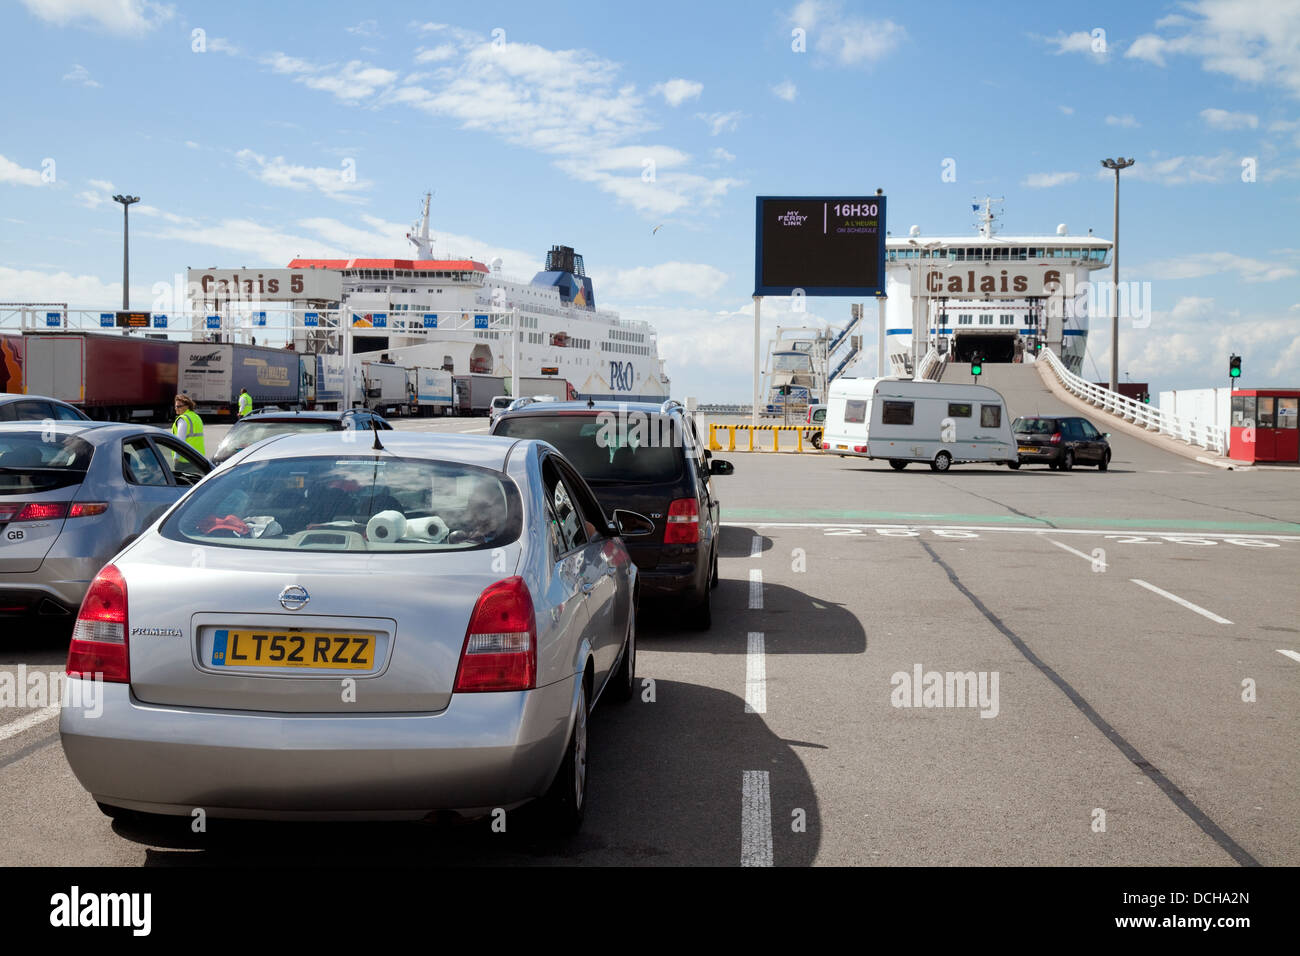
[822, 245]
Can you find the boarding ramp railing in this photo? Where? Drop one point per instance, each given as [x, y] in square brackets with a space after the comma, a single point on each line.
[1191, 431]
[932, 366]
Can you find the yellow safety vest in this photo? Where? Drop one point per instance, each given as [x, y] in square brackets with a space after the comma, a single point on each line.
[195, 427]
[245, 404]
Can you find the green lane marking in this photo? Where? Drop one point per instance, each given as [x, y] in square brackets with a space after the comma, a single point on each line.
[1047, 521]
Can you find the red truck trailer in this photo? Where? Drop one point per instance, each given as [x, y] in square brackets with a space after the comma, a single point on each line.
[110, 377]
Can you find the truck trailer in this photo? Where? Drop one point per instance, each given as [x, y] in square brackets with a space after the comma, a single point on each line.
[474, 393]
[110, 377]
[212, 373]
[388, 390]
[433, 391]
[533, 385]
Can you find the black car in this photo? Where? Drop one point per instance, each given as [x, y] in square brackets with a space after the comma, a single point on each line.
[1060, 442]
[648, 459]
[253, 428]
[37, 408]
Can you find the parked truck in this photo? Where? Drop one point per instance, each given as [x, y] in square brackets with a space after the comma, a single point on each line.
[533, 385]
[433, 392]
[388, 390]
[329, 382]
[110, 377]
[474, 392]
[213, 373]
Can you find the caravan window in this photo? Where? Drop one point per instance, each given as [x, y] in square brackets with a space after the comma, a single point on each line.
[897, 413]
[990, 416]
[958, 411]
[855, 412]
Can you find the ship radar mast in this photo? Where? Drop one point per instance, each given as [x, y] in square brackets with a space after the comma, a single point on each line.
[423, 244]
[987, 219]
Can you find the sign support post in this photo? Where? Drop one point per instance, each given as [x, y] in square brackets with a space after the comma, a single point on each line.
[758, 302]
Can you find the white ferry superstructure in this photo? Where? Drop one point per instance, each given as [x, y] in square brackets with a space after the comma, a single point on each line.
[428, 308]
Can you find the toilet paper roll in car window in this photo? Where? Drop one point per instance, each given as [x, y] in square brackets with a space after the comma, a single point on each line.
[432, 528]
[386, 527]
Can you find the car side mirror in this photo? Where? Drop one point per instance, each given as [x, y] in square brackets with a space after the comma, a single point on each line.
[629, 524]
[1105, 434]
[720, 467]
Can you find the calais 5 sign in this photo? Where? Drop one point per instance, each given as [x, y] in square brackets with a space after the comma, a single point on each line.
[821, 245]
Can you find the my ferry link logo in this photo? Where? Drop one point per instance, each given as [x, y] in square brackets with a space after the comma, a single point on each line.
[792, 218]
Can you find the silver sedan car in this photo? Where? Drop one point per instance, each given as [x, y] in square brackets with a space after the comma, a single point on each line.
[326, 629]
[72, 494]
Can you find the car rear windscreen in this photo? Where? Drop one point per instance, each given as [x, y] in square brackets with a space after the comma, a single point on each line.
[608, 447]
[246, 433]
[1035, 426]
[38, 461]
[336, 503]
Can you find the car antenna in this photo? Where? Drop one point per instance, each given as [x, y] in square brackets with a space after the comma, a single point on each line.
[374, 427]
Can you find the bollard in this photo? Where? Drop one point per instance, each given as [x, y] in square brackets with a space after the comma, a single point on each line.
[731, 443]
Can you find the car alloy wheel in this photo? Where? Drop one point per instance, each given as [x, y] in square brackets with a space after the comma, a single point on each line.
[566, 801]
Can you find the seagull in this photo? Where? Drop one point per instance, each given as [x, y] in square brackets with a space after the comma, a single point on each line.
[656, 228]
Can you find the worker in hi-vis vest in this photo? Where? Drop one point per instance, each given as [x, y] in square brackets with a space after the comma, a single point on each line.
[188, 427]
[245, 403]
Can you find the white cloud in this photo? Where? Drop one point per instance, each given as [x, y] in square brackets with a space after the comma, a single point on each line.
[443, 51]
[1256, 43]
[1180, 170]
[677, 91]
[1127, 120]
[1182, 351]
[1047, 180]
[366, 28]
[1080, 41]
[1067, 110]
[11, 172]
[115, 16]
[222, 45]
[336, 182]
[191, 144]
[785, 90]
[1223, 119]
[79, 74]
[721, 155]
[351, 82]
[79, 291]
[720, 122]
[1204, 264]
[691, 279]
[845, 39]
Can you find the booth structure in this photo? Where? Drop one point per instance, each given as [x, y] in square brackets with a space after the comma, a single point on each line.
[1264, 425]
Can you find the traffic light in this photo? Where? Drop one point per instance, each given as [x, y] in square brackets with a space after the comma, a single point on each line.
[976, 364]
[1234, 367]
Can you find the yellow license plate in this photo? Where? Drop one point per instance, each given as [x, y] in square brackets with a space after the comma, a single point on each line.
[1028, 450]
[266, 647]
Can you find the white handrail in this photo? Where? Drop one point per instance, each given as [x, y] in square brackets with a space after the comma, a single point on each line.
[932, 366]
[1192, 431]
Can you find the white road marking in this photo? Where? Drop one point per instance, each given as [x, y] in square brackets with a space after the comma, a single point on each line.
[1126, 532]
[1185, 603]
[755, 589]
[1086, 557]
[28, 722]
[1294, 655]
[756, 547]
[755, 819]
[755, 675]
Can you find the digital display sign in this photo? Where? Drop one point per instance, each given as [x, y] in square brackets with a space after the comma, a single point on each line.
[132, 320]
[822, 245]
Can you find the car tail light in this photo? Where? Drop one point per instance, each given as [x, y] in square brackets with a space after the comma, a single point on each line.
[84, 509]
[1056, 438]
[38, 511]
[500, 651]
[99, 636]
[860, 448]
[683, 525]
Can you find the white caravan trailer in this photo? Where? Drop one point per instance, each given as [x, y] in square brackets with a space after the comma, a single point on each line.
[902, 420]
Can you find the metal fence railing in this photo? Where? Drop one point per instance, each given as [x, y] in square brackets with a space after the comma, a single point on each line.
[1192, 431]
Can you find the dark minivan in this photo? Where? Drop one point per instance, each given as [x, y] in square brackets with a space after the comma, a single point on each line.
[1060, 443]
[648, 459]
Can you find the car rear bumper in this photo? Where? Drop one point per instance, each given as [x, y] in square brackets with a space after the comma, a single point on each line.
[1046, 454]
[484, 751]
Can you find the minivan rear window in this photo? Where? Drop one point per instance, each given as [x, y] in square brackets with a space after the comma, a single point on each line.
[357, 503]
[609, 448]
[34, 461]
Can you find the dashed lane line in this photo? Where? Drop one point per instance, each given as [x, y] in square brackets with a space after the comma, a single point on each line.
[755, 819]
[1183, 601]
[755, 589]
[1294, 655]
[23, 724]
[755, 675]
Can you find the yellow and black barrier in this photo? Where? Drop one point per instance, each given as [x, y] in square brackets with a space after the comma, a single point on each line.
[800, 432]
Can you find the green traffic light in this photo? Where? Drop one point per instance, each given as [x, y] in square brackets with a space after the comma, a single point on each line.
[1235, 372]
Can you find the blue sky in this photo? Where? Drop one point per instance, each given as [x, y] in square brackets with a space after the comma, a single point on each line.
[313, 129]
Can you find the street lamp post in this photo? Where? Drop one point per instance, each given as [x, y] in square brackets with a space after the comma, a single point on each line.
[126, 255]
[1117, 165]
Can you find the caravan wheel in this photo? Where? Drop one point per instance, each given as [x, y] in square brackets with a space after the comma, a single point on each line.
[941, 461]
[897, 464]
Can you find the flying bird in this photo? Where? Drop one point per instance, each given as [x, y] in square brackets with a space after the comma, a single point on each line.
[656, 228]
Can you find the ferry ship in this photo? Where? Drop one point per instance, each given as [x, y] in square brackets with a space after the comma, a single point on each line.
[561, 331]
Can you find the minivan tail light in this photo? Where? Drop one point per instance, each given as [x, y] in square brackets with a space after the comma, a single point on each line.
[99, 645]
[500, 651]
[1056, 439]
[683, 526]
